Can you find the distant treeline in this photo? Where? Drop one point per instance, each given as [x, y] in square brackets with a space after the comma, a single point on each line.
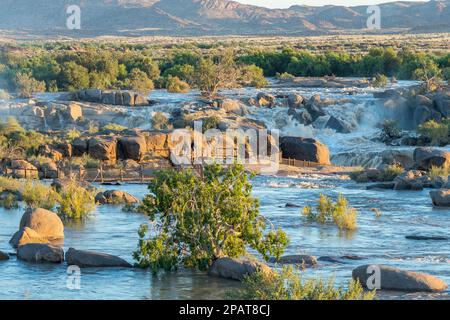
[141, 68]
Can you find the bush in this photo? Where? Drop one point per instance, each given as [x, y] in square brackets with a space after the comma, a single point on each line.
[339, 213]
[390, 130]
[26, 85]
[10, 201]
[380, 80]
[9, 184]
[114, 127]
[4, 95]
[86, 161]
[197, 220]
[436, 172]
[75, 202]
[73, 134]
[391, 172]
[253, 76]
[160, 121]
[37, 195]
[284, 76]
[139, 81]
[211, 123]
[287, 285]
[175, 85]
[437, 132]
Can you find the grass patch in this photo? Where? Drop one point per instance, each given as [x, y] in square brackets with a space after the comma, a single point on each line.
[38, 195]
[327, 211]
[439, 172]
[288, 285]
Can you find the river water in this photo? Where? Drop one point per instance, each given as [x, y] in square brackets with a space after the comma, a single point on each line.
[377, 239]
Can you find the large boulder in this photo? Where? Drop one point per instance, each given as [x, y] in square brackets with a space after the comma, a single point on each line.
[25, 236]
[442, 104]
[140, 100]
[403, 157]
[133, 148]
[49, 152]
[109, 98]
[73, 112]
[115, 197]
[103, 148]
[265, 100]
[40, 253]
[92, 95]
[38, 225]
[305, 149]
[411, 180]
[423, 114]
[294, 100]
[441, 198]
[392, 278]
[426, 158]
[128, 98]
[236, 269]
[90, 259]
[338, 125]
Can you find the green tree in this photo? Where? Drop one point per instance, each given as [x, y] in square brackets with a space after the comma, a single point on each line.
[139, 81]
[26, 85]
[197, 220]
[74, 77]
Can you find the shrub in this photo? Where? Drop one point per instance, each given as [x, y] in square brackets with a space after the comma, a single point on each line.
[210, 123]
[73, 134]
[26, 85]
[11, 126]
[390, 130]
[9, 184]
[160, 121]
[287, 285]
[114, 127]
[197, 220]
[284, 76]
[175, 85]
[75, 202]
[437, 132]
[380, 80]
[436, 172]
[86, 161]
[253, 76]
[339, 213]
[391, 172]
[10, 201]
[38, 195]
[4, 95]
[139, 81]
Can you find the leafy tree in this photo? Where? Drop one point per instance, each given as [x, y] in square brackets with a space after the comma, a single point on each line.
[74, 77]
[26, 85]
[139, 81]
[197, 220]
[210, 75]
[160, 121]
[253, 76]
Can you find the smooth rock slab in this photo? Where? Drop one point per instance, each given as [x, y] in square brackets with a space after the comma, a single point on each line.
[236, 269]
[297, 259]
[427, 238]
[40, 253]
[90, 259]
[441, 198]
[392, 278]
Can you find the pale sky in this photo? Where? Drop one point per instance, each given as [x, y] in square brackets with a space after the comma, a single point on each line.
[288, 3]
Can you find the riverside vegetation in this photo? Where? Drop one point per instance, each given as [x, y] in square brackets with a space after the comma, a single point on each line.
[59, 67]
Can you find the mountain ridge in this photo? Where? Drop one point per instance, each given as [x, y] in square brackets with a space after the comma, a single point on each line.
[216, 17]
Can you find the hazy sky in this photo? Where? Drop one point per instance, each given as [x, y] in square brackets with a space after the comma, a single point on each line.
[288, 3]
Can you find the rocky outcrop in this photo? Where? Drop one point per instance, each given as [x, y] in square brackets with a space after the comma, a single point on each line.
[22, 169]
[38, 225]
[305, 149]
[440, 198]
[120, 98]
[115, 197]
[133, 148]
[236, 269]
[426, 158]
[338, 125]
[103, 148]
[90, 259]
[411, 180]
[392, 278]
[294, 100]
[40, 253]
